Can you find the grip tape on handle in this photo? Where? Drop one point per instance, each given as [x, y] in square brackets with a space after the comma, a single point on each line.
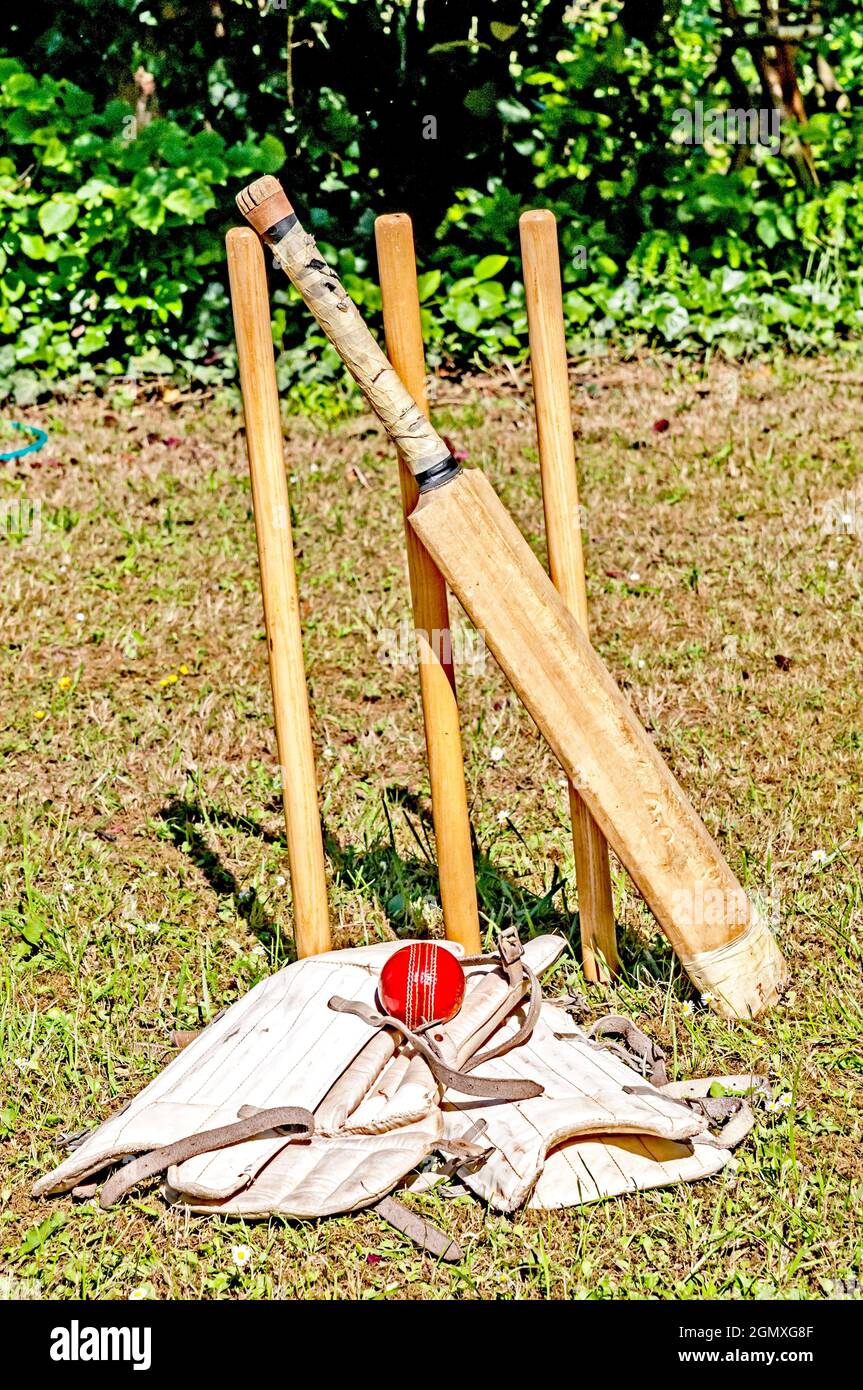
[265, 206]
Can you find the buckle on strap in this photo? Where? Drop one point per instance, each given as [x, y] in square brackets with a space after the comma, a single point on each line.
[509, 947]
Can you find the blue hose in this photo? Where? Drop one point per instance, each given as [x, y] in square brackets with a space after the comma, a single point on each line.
[40, 440]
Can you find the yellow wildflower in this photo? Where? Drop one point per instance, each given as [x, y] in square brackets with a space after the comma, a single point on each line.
[39, 714]
[64, 682]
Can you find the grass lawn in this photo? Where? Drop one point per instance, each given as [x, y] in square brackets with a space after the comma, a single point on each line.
[145, 878]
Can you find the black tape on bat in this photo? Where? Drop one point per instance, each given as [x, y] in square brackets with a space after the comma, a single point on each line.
[438, 474]
[280, 229]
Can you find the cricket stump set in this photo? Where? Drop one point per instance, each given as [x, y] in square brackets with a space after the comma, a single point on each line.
[459, 536]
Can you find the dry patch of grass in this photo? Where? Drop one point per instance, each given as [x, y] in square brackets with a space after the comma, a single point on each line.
[145, 880]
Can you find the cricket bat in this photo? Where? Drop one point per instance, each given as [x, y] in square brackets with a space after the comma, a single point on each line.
[723, 943]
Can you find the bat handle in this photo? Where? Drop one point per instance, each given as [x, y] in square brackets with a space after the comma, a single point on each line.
[265, 205]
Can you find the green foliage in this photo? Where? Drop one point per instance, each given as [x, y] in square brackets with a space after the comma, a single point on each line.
[111, 246]
[112, 257]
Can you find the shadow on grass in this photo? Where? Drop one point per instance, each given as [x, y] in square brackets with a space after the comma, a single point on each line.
[403, 884]
[185, 822]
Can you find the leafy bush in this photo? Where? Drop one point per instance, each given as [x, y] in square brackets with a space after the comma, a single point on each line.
[111, 251]
[112, 258]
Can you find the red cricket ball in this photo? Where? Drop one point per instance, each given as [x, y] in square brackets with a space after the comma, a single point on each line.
[422, 983]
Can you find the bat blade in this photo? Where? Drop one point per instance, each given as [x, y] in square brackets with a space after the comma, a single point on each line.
[643, 812]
